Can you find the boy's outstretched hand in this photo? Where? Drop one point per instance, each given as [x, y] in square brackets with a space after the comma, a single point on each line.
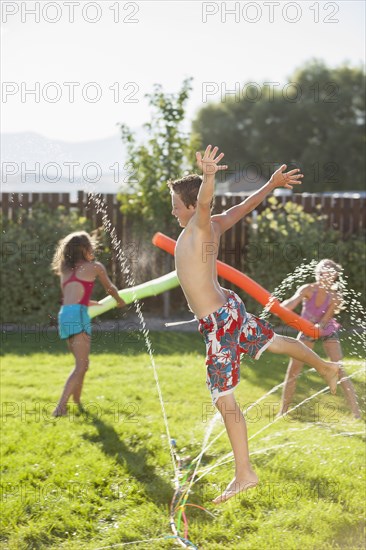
[286, 179]
[208, 163]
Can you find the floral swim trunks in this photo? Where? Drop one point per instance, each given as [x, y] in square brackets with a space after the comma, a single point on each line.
[229, 333]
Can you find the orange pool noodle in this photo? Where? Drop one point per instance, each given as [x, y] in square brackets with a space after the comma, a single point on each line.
[250, 287]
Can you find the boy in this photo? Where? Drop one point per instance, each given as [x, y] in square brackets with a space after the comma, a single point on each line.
[227, 328]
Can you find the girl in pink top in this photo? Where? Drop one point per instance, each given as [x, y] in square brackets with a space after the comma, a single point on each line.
[320, 302]
[74, 263]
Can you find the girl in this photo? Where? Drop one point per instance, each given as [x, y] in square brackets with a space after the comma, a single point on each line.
[74, 263]
[320, 302]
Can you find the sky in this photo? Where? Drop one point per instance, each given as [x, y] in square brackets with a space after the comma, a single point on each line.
[91, 63]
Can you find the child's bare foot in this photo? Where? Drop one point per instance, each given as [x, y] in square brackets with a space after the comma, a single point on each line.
[330, 373]
[60, 411]
[237, 485]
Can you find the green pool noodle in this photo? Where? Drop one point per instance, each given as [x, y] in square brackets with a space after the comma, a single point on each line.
[151, 288]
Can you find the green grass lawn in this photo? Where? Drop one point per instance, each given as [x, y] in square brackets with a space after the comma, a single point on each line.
[104, 476]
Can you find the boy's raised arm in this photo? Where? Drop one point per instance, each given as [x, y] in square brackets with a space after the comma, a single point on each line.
[209, 166]
[236, 213]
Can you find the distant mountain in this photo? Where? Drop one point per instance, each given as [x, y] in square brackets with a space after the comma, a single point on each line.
[97, 164]
[31, 148]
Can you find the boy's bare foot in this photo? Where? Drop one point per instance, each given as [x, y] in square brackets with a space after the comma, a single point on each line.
[237, 486]
[330, 374]
[59, 411]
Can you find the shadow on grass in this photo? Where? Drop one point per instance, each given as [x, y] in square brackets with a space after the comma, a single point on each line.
[124, 342]
[136, 462]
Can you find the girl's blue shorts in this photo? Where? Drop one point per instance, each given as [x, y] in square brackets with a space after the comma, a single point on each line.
[73, 319]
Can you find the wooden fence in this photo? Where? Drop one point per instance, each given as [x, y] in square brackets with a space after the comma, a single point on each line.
[346, 214]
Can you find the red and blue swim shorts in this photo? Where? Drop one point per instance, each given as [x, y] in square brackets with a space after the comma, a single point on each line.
[229, 333]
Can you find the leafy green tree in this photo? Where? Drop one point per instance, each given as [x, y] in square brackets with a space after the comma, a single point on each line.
[167, 154]
[315, 121]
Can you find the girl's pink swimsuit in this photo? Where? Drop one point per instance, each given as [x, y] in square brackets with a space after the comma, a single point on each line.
[314, 313]
[74, 318]
[88, 288]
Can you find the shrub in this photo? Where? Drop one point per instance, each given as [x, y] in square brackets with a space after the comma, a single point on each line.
[285, 236]
[30, 292]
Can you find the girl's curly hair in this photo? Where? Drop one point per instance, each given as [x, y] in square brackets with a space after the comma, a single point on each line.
[71, 250]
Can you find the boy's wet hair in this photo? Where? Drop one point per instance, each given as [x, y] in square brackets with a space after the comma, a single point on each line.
[187, 188]
[71, 250]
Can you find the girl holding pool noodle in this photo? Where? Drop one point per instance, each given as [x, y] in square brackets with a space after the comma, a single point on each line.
[320, 302]
[75, 264]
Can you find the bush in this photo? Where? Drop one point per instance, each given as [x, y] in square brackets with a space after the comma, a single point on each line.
[30, 292]
[284, 236]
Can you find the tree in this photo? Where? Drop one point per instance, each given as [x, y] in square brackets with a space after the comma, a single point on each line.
[167, 155]
[315, 121]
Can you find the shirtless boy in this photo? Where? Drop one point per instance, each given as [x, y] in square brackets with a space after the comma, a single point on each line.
[227, 328]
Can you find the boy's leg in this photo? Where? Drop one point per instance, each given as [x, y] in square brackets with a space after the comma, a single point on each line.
[235, 425]
[334, 351]
[297, 350]
[293, 371]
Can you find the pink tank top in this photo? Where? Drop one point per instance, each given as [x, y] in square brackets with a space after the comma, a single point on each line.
[88, 288]
[314, 313]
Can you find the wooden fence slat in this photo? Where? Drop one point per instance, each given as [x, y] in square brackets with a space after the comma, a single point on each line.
[97, 207]
[111, 208]
[54, 200]
[35, 198]
[5, 204]
[306, 203]
[65, 201]
[363, 214]
[119, 220]
[80, 202]
[89, 210]
[45, 198]
[327, 209]
[336, 213]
